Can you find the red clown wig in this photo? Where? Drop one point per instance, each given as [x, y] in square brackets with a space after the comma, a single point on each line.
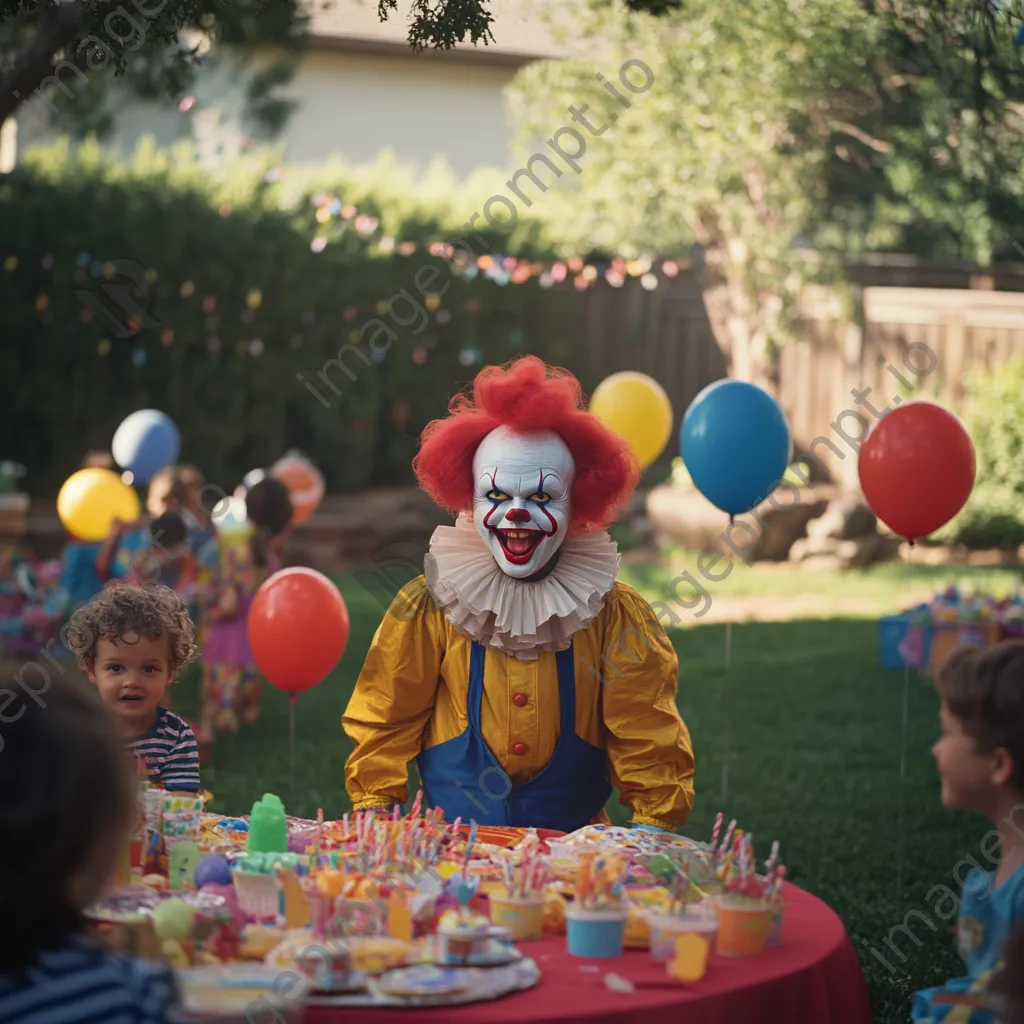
[526, 395]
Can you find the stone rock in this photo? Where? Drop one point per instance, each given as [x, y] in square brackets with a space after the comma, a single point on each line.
[808, 547]
[686, 517]
[844, 519]
[850, 554]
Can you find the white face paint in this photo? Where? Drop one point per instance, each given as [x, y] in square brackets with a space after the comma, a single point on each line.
[522, 484]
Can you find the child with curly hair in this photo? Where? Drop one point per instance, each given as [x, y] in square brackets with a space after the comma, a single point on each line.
[66, 813]
[133, 641]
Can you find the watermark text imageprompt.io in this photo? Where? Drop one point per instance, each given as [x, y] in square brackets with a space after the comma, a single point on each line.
[405, 311]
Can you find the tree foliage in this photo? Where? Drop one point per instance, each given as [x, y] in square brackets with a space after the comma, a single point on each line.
[790, 124]
[155, 45]
[158, 44]
[994, 516]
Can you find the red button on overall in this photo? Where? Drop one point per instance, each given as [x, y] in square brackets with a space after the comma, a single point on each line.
[519, 749]
[520, 700]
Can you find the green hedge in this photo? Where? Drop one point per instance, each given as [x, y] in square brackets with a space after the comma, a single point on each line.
[994, 514]
[230, 262]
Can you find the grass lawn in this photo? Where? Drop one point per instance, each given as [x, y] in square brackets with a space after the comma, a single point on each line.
[811, 727]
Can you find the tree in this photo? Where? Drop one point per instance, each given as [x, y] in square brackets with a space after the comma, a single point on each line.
[157, 44]
[788, 125]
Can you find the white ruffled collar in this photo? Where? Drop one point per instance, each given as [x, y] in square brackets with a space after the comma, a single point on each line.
[513, 615]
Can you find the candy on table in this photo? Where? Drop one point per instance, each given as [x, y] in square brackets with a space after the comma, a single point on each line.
[600, 882]
[268, 829]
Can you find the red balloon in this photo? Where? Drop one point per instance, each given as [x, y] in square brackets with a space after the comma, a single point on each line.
[917, 468]
[298, 628]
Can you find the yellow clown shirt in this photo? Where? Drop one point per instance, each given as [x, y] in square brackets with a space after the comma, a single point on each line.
[413, 693]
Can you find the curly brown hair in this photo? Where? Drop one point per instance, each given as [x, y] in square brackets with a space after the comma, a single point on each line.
[121, 608]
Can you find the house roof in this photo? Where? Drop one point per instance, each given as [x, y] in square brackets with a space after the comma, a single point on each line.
[354, 25]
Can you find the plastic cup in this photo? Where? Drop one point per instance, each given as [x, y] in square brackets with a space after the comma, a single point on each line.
[774, 937]
[595, 933]
[524, 918]
[743, 926]
[665, 930]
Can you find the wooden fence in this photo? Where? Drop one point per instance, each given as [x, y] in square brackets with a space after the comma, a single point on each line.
[931, 336]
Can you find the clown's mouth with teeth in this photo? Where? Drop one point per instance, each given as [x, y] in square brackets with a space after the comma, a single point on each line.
[518, 545]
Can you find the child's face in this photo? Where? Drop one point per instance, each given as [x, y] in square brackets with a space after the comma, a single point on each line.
[158, 497]
[969, 779]
[131, 674]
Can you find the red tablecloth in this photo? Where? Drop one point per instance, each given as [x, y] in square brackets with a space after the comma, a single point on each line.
[813, 976]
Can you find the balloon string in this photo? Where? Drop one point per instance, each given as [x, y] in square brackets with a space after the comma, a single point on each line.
[728, 721]
[903, 775]
[291, 733]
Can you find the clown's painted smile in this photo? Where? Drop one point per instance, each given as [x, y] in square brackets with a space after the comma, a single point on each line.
[523, 483]
[518, 544]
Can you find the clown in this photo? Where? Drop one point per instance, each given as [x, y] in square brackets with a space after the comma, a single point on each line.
[524, 680]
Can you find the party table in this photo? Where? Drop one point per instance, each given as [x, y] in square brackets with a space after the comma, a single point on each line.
[813, 976]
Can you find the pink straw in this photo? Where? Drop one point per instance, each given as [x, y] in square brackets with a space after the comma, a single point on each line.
[716, 830]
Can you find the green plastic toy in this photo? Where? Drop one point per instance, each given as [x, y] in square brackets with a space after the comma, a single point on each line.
[268, 830]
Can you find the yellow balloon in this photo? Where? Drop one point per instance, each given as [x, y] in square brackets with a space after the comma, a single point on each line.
[637, 409]
[92, 499]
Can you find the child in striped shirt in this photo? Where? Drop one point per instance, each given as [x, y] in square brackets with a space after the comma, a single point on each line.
[132, 641]
[67, 808]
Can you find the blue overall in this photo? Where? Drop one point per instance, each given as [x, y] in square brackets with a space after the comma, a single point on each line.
[463, 777]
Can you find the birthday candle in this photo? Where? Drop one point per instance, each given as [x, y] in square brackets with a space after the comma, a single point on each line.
[769, 864]
[415, 812]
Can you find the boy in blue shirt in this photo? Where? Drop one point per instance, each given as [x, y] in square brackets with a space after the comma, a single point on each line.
[980, 757]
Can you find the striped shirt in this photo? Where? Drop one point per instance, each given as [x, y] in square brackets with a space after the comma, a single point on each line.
[79, 983]
[170, 751]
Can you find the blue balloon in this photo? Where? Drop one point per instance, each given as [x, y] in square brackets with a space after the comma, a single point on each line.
[735, 444]
[146, 442]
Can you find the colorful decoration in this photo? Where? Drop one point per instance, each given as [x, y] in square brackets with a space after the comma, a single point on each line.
[917, 468]
[736, 445]
[92, 499]
[298, 628]
[636, 408]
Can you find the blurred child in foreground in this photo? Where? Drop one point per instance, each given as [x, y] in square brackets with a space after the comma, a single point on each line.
[66, 812]
[132, 641]
[232, 567]
[980, 758]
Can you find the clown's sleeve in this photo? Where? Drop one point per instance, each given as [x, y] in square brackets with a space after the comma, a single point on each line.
[393, 699]
[648, 743]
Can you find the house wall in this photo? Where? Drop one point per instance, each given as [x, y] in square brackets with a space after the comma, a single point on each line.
[351, 105]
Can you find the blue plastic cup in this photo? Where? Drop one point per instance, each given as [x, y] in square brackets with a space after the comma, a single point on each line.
[595, 933]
